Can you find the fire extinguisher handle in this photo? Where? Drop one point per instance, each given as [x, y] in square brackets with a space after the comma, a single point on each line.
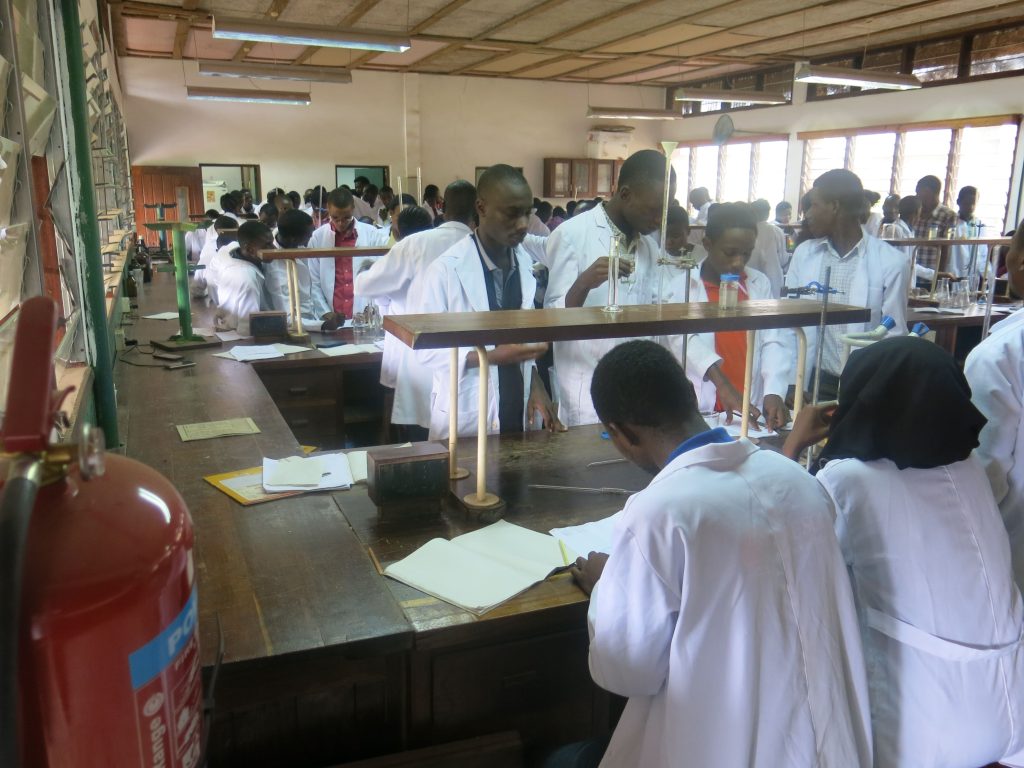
[16, 501]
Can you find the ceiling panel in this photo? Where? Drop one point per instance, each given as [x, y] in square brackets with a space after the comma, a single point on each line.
[201, 45]
[556, 68]
[317, 11]
[515, 61]
[150, 35]
[419, 49]
[715, 42]
[676, 33]
[480, 15]
[333, 57]
[450, 60]
[647, 75]
[403, 14]
[242, 8]
[558, 19]
[619, 66]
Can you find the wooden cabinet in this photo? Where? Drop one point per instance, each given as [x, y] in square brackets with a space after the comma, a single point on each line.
[579, 177]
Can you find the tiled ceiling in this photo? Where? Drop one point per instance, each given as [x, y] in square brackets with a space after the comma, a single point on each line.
[652, 42]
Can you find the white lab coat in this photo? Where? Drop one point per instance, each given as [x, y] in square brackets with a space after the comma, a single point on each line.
[960, 256]
[697, 236]
[455, 283]
[321, 271]
[276, 273]
[772, 348]
[388, 282]
[241, 290]
[200, 279]
[769, 255]
[194, 242]
[220, 258]
[995, 371]
[571, 248]
[725, 614]
[940, 613]
[361, 208]
[538, 227]
[880, 283]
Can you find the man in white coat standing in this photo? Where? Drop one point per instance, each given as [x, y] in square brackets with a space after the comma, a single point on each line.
[995, 371]
[241, 284]
[577, 255]
[331, 279]
[390, 281]
[866, 271]
[488, 271]
[724, 611]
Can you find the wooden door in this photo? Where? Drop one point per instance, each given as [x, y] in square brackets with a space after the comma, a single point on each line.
[604, 178]
[582, 178]
[152, 184]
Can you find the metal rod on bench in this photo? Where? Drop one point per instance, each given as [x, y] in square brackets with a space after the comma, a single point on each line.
[748, 375]
[455, 472]
[801, 365]
[820, 351]
[482, 499]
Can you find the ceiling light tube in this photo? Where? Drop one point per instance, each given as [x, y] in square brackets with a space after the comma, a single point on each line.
[197, 93]
[749, 97]
[306, 34]
[620, 113]
[859, 78]
[275, 71]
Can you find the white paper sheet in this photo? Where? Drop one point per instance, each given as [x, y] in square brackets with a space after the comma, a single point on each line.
[350, 349]
[480, 570]
[290, 349]
[231, 336]
[294, 471]
[256, 352]
[718, 420]
[589, 537]
[335, 474]
[161, 316]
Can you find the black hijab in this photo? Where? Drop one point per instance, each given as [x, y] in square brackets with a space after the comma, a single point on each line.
[906, 400]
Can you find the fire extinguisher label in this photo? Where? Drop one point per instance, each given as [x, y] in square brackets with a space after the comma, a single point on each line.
[168, 689]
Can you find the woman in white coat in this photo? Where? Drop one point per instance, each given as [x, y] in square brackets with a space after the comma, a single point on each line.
[928, 556]
[484, 272]
[995, 370]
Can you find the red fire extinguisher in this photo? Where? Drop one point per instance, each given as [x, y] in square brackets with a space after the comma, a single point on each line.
[98, 640]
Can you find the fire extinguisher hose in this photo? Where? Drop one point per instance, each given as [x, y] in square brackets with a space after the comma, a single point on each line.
[16, 501]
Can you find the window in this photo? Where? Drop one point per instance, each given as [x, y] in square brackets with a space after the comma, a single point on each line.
[978, 153]
[823, 155]
[871, 159]
[890, 60]
[925, 153]
[938, 60]
[774, 80]
[736, 178]
[823, 91]
[749, 170]
[1001, 50]
[986, 162]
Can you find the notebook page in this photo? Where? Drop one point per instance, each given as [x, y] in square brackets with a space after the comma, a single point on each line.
[460, 576]
[531, 553]
[589, 537]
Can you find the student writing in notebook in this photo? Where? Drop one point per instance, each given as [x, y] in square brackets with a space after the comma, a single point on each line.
[724, 611]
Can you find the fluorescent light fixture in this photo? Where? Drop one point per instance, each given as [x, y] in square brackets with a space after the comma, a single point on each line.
[306, 34]
[620, 113]
[249, 96]
[750, 97]
[859, 78]
[275, 71]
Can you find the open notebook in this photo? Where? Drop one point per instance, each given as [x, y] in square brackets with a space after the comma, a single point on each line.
[480, 570]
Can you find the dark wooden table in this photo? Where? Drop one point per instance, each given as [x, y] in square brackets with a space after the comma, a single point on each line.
[326, 660]
[947, 327]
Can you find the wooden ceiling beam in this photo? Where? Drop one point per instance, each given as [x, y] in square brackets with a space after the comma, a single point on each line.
[134, 9]
[352, 17]
[117, 31]
[181, 33]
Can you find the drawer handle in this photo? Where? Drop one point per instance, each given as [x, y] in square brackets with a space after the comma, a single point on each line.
[298, 390]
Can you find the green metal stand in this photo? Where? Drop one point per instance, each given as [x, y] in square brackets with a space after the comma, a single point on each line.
[186, 338]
